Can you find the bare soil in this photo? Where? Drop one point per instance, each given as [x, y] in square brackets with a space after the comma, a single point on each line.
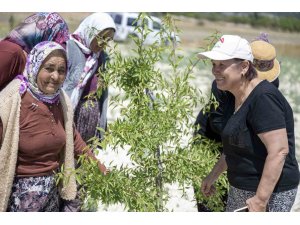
[193, 31]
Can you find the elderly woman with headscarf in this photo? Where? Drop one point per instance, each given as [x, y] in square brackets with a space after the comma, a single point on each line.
[19, 42]
[37, 135]
[86, 58]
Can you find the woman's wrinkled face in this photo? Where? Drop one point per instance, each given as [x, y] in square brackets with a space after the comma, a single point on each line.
[101, 40]
[52, 74]
[228, 73]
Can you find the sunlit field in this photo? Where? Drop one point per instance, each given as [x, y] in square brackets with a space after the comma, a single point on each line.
[192, 37]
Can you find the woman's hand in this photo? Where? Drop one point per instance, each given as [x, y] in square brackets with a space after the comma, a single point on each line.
[102, 168]
[207, 187]
[256, 205]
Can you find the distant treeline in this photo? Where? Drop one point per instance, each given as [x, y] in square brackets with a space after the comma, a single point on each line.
[277, 21]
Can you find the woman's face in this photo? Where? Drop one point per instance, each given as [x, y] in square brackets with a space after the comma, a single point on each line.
[101, 40]
[52, 74]
[228, 73]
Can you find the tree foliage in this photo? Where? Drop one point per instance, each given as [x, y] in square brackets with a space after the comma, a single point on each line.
[155, 126]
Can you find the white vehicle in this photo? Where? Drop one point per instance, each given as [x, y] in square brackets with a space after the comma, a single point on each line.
[126, 24]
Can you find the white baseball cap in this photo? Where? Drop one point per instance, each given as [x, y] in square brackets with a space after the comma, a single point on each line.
[229, 47]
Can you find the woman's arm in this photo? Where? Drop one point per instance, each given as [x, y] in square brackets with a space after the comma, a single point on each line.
[12, 62]
[80, 147]
[276, 143]
[207, 187]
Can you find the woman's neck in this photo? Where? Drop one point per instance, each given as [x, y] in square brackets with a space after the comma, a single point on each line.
[243, 91]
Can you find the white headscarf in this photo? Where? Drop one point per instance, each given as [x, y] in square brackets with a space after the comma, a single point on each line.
[88, 29]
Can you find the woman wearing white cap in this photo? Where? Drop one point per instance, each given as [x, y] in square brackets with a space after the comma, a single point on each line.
[209, 123]
[258, 137]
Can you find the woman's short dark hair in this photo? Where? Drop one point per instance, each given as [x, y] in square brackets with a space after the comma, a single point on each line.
[251, 72]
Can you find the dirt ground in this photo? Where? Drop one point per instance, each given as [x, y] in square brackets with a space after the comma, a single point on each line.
[193, 31]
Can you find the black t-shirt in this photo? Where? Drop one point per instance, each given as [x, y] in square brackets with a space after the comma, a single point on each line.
[211, 119]
[214, 120]
[264, 110]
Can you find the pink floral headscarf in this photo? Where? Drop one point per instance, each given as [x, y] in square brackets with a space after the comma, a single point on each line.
[40, 27]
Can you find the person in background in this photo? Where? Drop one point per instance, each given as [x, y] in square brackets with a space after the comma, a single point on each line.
[19, 42]
[211, 122]
[265, 62]
[37, 135]
[258, 133]
[86, 58]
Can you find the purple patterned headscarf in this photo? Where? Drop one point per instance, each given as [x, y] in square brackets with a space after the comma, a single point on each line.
[43, 26]
[262, 37]
[35, 60]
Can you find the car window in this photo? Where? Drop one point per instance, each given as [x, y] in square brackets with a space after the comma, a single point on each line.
[118, 19]
[131, 22]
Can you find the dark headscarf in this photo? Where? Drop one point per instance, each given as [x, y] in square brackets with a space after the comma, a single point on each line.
[40, 27]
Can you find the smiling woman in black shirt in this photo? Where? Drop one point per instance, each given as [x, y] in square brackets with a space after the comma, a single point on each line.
[258, 137]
